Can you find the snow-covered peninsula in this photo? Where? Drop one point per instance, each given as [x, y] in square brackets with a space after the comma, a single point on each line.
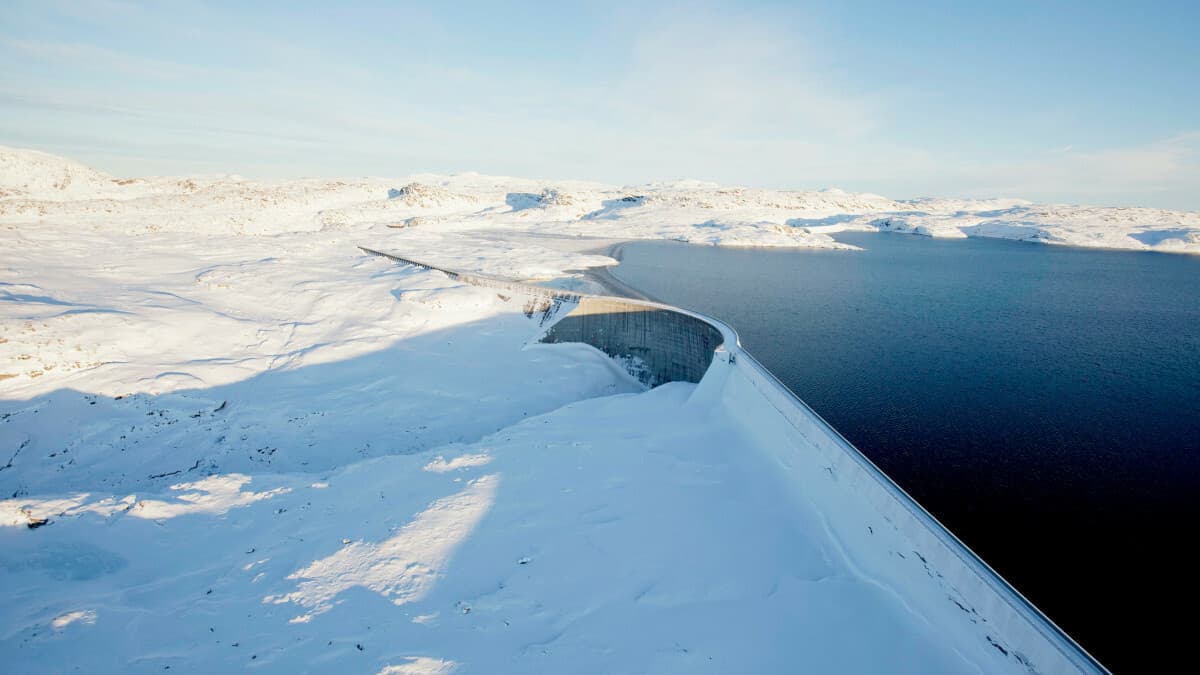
[229, 438]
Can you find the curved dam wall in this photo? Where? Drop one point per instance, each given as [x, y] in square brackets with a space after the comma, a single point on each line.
[887, 535]
[656, 344]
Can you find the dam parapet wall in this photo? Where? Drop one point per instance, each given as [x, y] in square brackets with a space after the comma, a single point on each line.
[881, 530]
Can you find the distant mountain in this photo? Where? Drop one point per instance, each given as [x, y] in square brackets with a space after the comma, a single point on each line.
[36, 187]
[39, 175]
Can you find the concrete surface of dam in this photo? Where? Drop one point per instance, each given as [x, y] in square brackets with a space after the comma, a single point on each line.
[892, 540]
[656, 345]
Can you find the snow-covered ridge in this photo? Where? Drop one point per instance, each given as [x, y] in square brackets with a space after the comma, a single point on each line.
[38, 188]
[224, 451]
[38, 175]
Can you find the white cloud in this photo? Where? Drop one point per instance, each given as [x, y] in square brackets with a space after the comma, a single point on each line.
[715, 92]
[1164, 170]
[736, 72]
[84, 56]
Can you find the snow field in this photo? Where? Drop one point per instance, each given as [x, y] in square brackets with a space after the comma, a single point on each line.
[230, 439]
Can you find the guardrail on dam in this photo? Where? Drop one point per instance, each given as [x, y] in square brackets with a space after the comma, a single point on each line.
[889, 536]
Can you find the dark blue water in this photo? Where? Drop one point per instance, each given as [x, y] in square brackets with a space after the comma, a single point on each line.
[1043, 402]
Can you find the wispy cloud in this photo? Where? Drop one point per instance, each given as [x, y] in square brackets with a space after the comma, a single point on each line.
[94, 10]
[86, 56]
[1160, 171]
[755, 95]
[734, 70]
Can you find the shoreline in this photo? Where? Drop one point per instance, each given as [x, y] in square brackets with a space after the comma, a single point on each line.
[604, 278]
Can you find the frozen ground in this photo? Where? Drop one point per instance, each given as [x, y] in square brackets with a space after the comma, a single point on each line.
[228, 439]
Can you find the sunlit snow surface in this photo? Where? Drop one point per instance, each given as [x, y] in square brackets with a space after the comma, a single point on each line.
[230, 439]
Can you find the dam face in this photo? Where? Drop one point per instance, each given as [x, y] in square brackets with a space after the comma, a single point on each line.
[655, 345]
[889, 536]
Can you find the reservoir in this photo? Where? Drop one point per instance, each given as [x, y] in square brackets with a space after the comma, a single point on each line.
[1043, 402]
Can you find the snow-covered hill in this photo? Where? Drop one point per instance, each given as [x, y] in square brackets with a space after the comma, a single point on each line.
[45, 177]
[39, 188]
[229, 439]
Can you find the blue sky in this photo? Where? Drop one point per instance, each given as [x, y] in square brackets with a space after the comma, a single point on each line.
[1088, 102]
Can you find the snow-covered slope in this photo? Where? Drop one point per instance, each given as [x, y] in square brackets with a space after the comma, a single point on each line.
[278, 452]
[37, 188]
[225, 451]
[41, 176]
[221, 451]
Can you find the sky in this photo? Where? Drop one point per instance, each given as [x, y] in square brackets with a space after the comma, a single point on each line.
[1088, 102]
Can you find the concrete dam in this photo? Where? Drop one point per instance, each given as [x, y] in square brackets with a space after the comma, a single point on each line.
[656, 344]
[894, 541]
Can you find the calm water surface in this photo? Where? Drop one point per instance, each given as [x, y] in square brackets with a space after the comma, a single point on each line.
[1043, 402]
